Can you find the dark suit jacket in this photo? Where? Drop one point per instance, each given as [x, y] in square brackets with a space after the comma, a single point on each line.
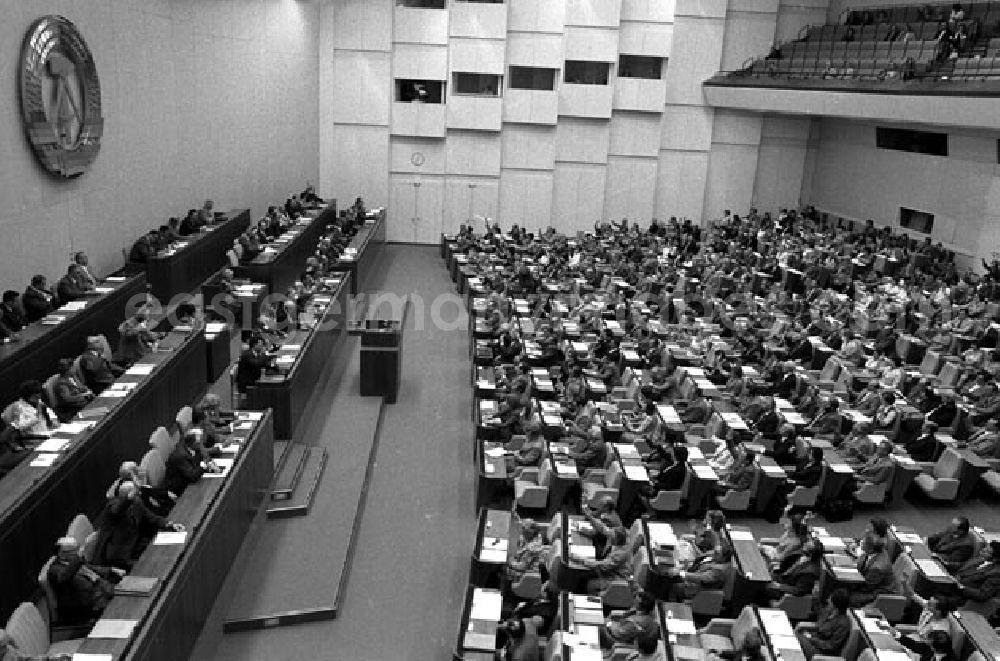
[952, 550]
[809, 475]
[877, 572]
[96, 370]
[69, 289]
[800, 578]
[12, 317]
[134, 342]
[980, 583]
[249, 369]
[79, 593]
[832, 630]
[120, 527]
[70, 397]
[36, 305]
[183, 468]
[923, 448]
[672, 477]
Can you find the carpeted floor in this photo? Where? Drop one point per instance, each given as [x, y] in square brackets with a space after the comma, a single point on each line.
[411, 566]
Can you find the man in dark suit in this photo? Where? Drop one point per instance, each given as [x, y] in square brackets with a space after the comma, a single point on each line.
[876, 568]
[801, 577]
[136, 340]
[11, 312]
[37, 301]
[121, 526]
[671, 478]
[925, 446]
[68, 288]
[832, 628]
[955, 545]
[184, 465]
[707, 573]
[98, 371]
[82, 589]
[810, 472]
[979, 578]
[68, 394]
[252, 363]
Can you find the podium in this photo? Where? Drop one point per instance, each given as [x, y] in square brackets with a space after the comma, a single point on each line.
[381, 362]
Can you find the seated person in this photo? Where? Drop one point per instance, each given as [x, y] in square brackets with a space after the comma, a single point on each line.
[37, 301]
[68, 288]
[122, 525]
[529, 554]
[750, 650]
[545, 606]
[191, 224]
[725, 457]
[857, 444]
[698, 411]
[603, 520]
[658, 386]
[924, 447]
[531, 451]
[12, 449]
[84, 278]
[887, 414]
[878, 469]
[143, 249]
[184, 465]
[801, 576]
[832, 628]
[933, 617]
[98, 371]
[206, 215]
[614, 566]
[642, 426]
[706, 573]
[172, 230]
[876, 568]
[790, 544]
[828, 422]
[629, 626]
[589, 451]
[28, 414]
[69, 395]
[252, 364]
[11, 313]
[809, 473]
[671, 477]
[135, 338]
[979, 578]
[986, 441]
[522, 640]
[82, 590]
[740, 478]
[767, 422]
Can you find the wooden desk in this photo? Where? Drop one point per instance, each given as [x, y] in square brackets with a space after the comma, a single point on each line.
[565, 475]
[308, 353]
[477, 631]
[677, 627]
[492, 473]
[217, 512]
[248, 296]
[701, 481]
[778, 635]
[219, 348]
[36, 503]
[36, 354]
[980, 633]
[838, 473]
[204, 253]
[876, 632]
[931, 576]
[752, 570]
[280, 268]
[367, 245]
[496, 536]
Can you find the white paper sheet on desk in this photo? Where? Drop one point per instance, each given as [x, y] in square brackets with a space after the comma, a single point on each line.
[636, 473]
[566, 470]
[292, 347]
[776, 623]
[871, 624]
[785, 643]
[586, 602]
[73, 306]
[588, 635]
[494, 452]
[169, 538]
[493, 555]
[892, 655]
[83, 656]
[486, 605]
[141, 369]
[215, 327]
[225, 464]
[123, 385]
[52, 320]
[232, 448]
[705, 472]
[104, 290]
[113, 629]
[741, 535]
[909, 538]
[680, 626]
[53, 445]
[583, 551]
[249, 415]
[72, 428]
[931, 568]
[116, 278]
[114, 393]
[44, 460]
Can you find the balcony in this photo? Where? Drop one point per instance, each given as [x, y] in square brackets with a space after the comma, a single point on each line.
[421, 120]
[478, 20]
[532, 106]
[585, 100]
[641, 94]
[474, 112]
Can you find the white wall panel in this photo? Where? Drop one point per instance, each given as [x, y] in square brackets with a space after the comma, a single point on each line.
[634, 134]
[472, 153]
[477, 55]
[420, 62]
[651, 39]
[582, 140]
[526, 199]
[695, 57]
[687, 127]
[577, 196]
[402, 150]
[631, 188]
[593, 44]
[660, 11]
[464, 195]
[420, 26]
[361, 75]
[478, 20]
[530, 106]
[585, 100]
[534, 49]
[363, 24]
[366, 148]
[639, 94]
[415, 213]
[595, 13]
[528, 147]
[475, 112]
[536, 16]
[730, 185]
[680, 184]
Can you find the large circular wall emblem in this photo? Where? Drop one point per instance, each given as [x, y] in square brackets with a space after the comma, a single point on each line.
[60, 97]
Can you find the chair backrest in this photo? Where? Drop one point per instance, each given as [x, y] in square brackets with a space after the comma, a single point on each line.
[185, 419]
[545, 473]
[830, 371]
[79, 528]
[949, 465]
[76, 370]
[852, 646]
[50, 594]
[49, 390]
[161, 441]
[950, 373]
[931, 364]
[89, 550]
[746, 621]
[234, 259]
[156, 470]
[613, 478]
[28, 630]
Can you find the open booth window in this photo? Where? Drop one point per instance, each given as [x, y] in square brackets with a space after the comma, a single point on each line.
[918, 142]
[478, 84]
[421, 4]
[532, 78]
[918, 221]
[583, 72]
[419, 91]
[640, 66]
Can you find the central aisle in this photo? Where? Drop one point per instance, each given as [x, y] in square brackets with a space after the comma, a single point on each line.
[411, 566]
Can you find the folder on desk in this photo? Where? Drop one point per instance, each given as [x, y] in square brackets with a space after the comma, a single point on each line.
[72, 428]
[249, 415]
[96, 412]
[53, 445]
[44, 460]
[475, 640]
[169, 538]
[137, 586]
[225, 463]
[121, 629]
[84, 656]
[140, 369]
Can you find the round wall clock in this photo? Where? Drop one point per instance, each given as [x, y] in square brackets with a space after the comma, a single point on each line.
[60, 96]
[417, 158]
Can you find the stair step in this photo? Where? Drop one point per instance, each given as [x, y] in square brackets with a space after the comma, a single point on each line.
[290, 472]
[301, 501]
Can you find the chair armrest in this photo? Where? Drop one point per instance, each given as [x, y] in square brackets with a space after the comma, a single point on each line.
[719, 626]
[595, 475]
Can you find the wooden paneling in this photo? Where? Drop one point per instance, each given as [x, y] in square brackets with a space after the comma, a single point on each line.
[526, 198]
[477, 55]
[361, 75]
[478, 20]
[577, 196]
[420, 26]
[528, 147]
[420, 62]
[472, 153]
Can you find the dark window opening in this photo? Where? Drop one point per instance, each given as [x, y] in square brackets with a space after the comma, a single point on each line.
[421, 4]
[532, 78]
[918, 221]
[917, 142]
[639, 66]
[419, 91]
[478, 84]
[580, 72]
